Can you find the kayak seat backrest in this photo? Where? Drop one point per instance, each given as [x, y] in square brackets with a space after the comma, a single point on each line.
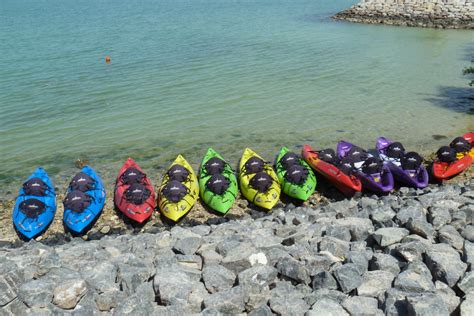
[261, 182]
[82, 182]
[460, 145]
[132, 175]
[174, 191]
[446, 154]
[328, 155]
[214, 166]
[289, 159]
[297, 174]
[372, 166]
[395, 150]
[35, 186]
[357, 154]
[254, 165]
[411, 161]
[137, 193]
[178, 173]
[218, 184]
[77, 201]
[32, 208]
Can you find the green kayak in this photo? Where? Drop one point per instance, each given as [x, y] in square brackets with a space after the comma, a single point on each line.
[217, 182]
[295, 175]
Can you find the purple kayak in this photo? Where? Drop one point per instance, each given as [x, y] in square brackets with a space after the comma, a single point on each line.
[414, 175]
[380, 180]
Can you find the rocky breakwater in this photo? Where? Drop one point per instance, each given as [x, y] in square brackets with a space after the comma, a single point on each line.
[456, 14]
[403, 254]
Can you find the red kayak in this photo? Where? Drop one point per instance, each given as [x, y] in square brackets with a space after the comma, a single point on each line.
[348, 185]
[134, 194]
[445, 170]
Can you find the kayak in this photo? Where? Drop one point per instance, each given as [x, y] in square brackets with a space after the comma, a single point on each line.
[84, 200]
[35, 205]
[217, 182]
[417, 178]
[445, 170]
[290, 176]
[347, 184]
[179, 190]
[259, 185]
[134, 194]
[379, 182]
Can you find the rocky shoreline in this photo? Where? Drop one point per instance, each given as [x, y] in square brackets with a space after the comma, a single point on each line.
[446, 14]
[407, 253]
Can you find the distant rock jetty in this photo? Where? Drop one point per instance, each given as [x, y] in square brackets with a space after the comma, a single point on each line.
[446, 14]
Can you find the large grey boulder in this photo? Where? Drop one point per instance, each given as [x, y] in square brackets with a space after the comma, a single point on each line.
[445, 264]
[375, 283]
[421, 228]
[243, 257]
[230, 301]
[188, 245]
[101, 276]
[389, 235]
[427, 304]
[338, 248]
[327, 307]
[448, 296]
[439, 216]
[36, 293]
[411, 251]
[468, 233]
[449, 235]
[294, 270]
[10, 280]
[467, 305]
[416, 278]
[286, 299]
[414, 212]
[217, 278]
[259, 275]
[385, 262]
[360, 228]
[348, 276]
[467, 282]
[359, 306]
[67, 294]
[324, 280]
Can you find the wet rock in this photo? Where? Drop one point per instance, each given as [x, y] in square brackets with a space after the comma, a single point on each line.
[348, 276]
[389, 235]
[445, 264]
[327, 307]
[356, 305]
[67, 294]
[230, 301]
[448, 296]
[449, 235]
[375, 283]
[324, 280]
[294, 270]
[217, 278]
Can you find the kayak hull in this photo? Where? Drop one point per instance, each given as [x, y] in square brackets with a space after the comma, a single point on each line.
[414, 178]
[348, 185]
[443, 170]
[176, 210]
[32, 227]
[78, 222]
[219, 203]
[382, 183]
[137, 213]
[302, 191]
[266, 200]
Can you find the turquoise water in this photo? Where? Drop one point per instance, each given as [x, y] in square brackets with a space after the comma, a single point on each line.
[188, 74]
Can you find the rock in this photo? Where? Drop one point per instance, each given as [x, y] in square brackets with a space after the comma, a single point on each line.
[285, 299]
[395, 302]
[449, 235]
[357, 305]
[348, 277]
[360, 259]
[327, 307]
[190, 261]
[448, 296]
[259, 275]
[467, 282]
[67, 294]
[336, 247]
[339, 232]
[101, 276]
[36, 293]
[324, 280]
[187, 246]
[426, 304]
[468, 233]
[294, 270]
[421, 228]
[133, 273]
[240, 259]
[411, 212]
[105, 229]
[468, 254]
[385, 262]
[389, 235]
[210, 257]
[445, 264]
[360, 228]
[105, 301]
[467, 306]
[230, 301]
[263, 310]
[217, 278]
[411, 251]
[375, 283]
[416, 278]
[10, 280]
[439, 216]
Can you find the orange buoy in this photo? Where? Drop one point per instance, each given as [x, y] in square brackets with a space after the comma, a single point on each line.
[107, 59]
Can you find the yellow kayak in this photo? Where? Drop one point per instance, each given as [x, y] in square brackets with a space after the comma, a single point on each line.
[258, 181]
[179, 190]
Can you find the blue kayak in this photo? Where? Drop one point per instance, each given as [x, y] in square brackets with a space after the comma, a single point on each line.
[84, 201]
[35, 205]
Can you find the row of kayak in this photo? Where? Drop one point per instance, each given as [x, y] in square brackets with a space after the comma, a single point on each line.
[349, 168]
